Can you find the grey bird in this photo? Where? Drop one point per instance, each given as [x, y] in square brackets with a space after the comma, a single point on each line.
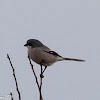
[42, 55]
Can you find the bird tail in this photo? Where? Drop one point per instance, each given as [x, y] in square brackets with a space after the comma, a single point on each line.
[73, 59]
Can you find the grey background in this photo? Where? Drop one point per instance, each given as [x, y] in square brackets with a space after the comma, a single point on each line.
[71, 28]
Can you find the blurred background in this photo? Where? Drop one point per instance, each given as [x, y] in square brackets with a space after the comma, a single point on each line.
[69, 27]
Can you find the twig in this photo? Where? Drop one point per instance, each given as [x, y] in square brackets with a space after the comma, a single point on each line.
[41, 98]
[41, 76]
[11, 96]
[14, 77]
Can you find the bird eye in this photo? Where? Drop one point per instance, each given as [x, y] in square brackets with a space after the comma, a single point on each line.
[29, 44]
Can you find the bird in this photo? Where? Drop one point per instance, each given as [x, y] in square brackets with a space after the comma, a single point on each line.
[43, 55]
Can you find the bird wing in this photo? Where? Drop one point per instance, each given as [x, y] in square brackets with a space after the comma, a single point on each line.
[53, 53]
[49, 51]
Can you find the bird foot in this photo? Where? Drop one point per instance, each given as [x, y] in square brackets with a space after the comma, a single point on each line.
[41, 75]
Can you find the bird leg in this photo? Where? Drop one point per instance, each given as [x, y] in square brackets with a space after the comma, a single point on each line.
[44, 69]
[41, 75]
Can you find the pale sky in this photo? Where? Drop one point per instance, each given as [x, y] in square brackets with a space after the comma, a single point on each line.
[69, 27]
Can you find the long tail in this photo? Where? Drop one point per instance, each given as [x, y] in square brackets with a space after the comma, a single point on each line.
[74, 59]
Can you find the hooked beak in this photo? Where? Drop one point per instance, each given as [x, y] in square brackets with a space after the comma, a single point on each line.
[25, 45]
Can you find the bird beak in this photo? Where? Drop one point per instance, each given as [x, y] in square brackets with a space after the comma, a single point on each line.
[25, 45]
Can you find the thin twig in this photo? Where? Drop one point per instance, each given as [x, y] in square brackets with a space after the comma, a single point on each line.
[12, 98]
[34, 72]
[41, 98]
[14, 77]
[41, 76]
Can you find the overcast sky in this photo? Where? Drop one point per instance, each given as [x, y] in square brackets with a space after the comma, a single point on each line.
[69, 27]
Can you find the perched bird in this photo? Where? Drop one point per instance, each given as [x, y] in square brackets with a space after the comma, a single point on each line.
[42, 55]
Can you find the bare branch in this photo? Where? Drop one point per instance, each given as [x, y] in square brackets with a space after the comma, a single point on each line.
[14, 77]
[39, 87]
[41, 76]
[12, 98]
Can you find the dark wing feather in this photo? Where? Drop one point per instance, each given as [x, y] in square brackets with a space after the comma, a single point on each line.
[53, 53]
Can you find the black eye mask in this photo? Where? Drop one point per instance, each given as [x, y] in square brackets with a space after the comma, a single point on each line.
[29, 44]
